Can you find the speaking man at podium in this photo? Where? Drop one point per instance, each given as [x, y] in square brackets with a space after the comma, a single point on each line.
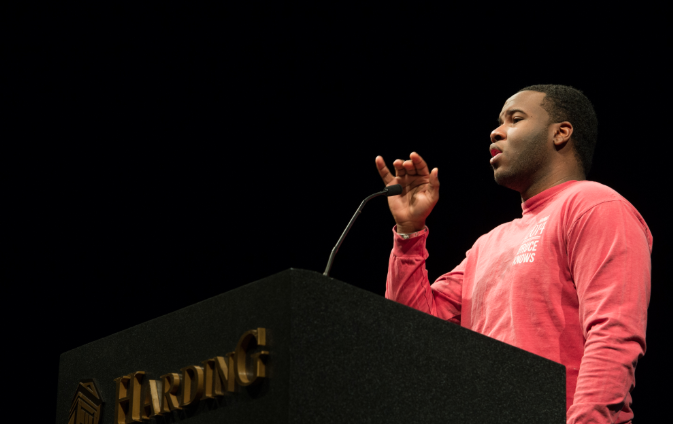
[569, 280]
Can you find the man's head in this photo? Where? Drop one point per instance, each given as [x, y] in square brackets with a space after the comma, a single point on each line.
[545, 131]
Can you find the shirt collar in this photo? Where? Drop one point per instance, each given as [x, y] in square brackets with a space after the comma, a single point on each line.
[542, 198]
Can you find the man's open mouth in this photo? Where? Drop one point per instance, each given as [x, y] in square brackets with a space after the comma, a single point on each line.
[495, 152]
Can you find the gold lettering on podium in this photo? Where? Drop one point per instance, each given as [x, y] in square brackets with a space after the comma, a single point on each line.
[127, 404]
[219, 381]
[139, 399]
[151, 403]
[192, 384]
[171, 383]
[247, 376]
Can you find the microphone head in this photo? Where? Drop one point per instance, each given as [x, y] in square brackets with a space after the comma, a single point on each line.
[393, 190]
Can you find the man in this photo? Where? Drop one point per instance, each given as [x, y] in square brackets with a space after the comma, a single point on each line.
[569, 280]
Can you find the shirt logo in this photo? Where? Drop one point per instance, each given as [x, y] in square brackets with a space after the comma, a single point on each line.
[526, 252]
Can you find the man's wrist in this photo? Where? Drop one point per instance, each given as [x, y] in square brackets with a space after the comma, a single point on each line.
[409, 228]
[407, 236]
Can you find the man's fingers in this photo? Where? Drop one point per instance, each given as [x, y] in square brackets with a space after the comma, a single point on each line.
[414, 166]
[434, 182]
[399, 168]
[383, 171]
[434, 177]
[409, 167]
[419, 164]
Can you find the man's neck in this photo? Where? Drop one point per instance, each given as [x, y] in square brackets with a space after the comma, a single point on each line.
[549, 181]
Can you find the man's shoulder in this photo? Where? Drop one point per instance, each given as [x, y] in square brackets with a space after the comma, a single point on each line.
[584, 195]
[586, 188]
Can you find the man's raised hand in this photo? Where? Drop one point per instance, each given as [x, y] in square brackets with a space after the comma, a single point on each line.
[420, 191]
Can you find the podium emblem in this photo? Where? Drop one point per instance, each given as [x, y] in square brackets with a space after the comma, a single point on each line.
[86, 404]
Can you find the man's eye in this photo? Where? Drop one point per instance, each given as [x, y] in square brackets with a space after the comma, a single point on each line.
[517, 119]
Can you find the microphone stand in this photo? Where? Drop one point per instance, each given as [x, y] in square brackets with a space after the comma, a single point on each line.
[388, 191]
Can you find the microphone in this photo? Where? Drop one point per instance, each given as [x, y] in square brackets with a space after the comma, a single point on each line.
[392, 190]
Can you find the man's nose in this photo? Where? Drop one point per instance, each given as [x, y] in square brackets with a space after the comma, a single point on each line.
[498, 134]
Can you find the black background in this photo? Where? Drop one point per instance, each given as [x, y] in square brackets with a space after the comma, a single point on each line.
[176, 152]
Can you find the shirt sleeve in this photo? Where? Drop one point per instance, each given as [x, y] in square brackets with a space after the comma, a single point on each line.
[408, 282]
[609, 249]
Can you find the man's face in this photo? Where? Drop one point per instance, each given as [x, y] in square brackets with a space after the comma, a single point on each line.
[521, 144]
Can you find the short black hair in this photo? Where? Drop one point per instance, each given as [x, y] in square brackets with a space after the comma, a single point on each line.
[565, 103]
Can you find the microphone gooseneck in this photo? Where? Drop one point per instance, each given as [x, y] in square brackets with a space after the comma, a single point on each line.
[392, 190]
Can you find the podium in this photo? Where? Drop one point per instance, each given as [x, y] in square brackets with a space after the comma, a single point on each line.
[299, 347]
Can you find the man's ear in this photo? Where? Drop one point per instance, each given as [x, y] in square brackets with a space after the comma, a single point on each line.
[562, 134]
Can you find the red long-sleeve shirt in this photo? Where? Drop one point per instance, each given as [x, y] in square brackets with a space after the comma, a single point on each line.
[569, 281]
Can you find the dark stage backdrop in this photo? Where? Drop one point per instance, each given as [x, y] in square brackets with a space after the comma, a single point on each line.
[179, 152]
